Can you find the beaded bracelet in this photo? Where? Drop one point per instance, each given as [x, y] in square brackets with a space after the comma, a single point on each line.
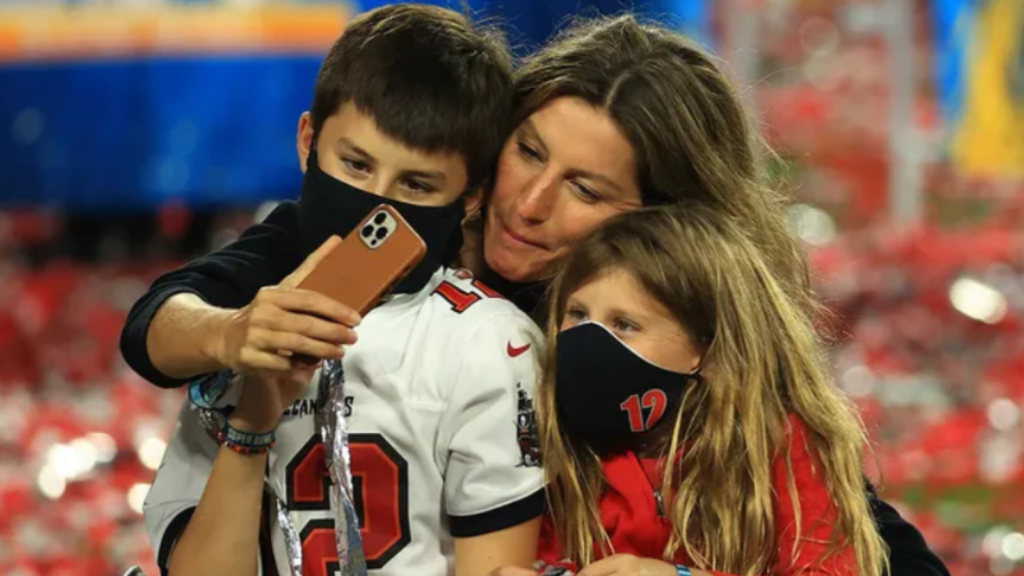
[247, 442]
[683, 570]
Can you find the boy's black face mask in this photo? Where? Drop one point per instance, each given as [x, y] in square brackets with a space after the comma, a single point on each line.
[331, 207]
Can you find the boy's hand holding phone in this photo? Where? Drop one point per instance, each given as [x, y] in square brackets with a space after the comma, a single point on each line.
[284, 321]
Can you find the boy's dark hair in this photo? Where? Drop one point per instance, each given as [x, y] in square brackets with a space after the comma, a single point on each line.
[429, 77]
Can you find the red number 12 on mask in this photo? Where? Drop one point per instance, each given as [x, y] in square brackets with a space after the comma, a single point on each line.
[654, 400]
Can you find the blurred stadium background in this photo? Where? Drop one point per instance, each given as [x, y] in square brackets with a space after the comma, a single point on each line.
[135, 134]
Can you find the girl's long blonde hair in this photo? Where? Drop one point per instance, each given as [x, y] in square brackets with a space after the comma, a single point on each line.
[762, 361]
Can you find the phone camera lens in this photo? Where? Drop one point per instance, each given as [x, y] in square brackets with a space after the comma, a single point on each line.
[380, 218]
[381, 233]
[367, 231]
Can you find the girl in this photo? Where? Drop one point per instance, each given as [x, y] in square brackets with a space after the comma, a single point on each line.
[688, 420]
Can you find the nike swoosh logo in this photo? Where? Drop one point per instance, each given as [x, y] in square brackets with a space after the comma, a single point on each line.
[514, 352]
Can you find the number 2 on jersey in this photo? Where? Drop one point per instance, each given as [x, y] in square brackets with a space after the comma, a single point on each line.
[381, 493]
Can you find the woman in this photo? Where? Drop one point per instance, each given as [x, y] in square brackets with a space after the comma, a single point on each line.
[612, 115]
[689, 422]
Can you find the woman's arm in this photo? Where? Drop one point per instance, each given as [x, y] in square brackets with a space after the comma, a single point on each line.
[181, 339]
[909, 554]
[177, 314]
[236, 308]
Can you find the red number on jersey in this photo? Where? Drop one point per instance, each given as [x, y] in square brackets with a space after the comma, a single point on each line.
[381, 484]
[654, 400]
[381, 488]
[319, 548]
[486, 290]
[461, 301]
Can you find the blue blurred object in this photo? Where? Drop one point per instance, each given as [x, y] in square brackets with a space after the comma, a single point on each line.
[533, 22]
[136, 132]
[952, 23]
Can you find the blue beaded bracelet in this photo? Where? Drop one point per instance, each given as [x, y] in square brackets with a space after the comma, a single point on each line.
[683, 570]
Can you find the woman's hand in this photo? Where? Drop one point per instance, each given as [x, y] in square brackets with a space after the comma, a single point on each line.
[266, 395]
[629, 565]
[283, 321]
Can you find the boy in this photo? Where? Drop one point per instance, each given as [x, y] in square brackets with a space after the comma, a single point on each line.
[410, 108]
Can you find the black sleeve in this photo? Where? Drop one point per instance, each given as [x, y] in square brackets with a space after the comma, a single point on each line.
[228, 278]
[505, 517]
[909, 554]
[174, 531]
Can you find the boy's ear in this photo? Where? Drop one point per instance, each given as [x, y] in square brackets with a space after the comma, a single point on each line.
[474, 200]
[304, 139]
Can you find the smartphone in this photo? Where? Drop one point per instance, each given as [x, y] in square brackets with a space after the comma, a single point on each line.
[369, 261]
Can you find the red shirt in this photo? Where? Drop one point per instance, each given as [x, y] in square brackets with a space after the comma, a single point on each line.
[629, 513]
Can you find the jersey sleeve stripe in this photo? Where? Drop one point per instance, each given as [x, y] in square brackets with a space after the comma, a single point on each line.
[171, 534]
[268, 564]
[507, 516]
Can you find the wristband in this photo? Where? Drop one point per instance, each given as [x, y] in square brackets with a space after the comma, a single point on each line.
[247, 442]
[206, 391]
[683, 570]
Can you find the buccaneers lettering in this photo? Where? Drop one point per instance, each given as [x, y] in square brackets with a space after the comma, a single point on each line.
[307, 407]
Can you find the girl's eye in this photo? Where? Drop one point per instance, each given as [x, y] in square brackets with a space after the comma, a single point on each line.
[623, 325]
[355, 165]
[527, 151]
[576, 315]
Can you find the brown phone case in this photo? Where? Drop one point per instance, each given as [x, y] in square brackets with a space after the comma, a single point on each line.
[374, 257]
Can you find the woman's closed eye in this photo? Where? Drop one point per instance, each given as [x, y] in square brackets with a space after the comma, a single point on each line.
[528, 152]
[585, 194]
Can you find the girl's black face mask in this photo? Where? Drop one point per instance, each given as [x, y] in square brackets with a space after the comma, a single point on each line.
[331, 207]
[608, 397]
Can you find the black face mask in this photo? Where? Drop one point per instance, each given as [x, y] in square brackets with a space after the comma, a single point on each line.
[607, 396]
[330, 206]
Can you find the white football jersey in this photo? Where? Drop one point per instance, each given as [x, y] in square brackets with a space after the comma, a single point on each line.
[438, 395]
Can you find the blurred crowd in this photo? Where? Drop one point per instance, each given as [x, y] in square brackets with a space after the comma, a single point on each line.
[929, 343]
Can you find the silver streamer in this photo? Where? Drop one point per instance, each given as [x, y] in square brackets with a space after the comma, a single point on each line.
[291, 536]
[330, 416]
[330, 422]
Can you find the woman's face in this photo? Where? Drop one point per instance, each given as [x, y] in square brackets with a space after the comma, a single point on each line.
[566, 169]
[616, 300]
